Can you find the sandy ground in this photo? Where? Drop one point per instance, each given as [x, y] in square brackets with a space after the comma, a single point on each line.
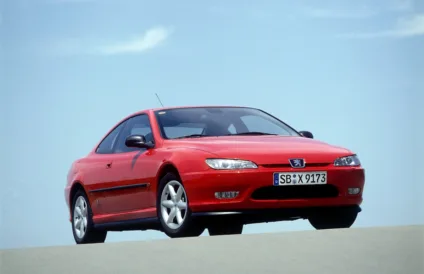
[380, 250]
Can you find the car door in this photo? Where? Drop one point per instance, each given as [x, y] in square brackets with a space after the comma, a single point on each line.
[131, 181]
[98, 177]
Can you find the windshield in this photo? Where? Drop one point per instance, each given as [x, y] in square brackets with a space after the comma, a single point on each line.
[219, 121]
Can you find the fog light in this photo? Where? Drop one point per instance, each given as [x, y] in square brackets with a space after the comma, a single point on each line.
[226, 194]
[353, 190]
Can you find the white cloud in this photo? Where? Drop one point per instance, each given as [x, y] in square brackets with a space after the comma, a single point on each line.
[404, 27]
[152, 38]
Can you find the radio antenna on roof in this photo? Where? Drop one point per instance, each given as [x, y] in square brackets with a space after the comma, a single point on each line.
[159, 99]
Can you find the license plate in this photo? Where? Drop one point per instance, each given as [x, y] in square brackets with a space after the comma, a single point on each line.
[300, 178]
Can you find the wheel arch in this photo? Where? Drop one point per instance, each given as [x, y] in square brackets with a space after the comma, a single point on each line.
[183, 160]
[76, 185]
[167, 167]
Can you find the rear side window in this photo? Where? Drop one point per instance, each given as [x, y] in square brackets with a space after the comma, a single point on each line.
[106, 145]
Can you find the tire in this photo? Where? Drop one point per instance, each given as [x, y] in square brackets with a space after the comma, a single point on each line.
[181, 223]
[84, 215]
[333, 218]
[225, 229]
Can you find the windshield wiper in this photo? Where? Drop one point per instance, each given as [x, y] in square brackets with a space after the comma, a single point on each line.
[253, 133]
[235, 134]
[192, 136]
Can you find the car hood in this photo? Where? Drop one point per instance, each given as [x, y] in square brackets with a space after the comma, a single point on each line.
[265, 149]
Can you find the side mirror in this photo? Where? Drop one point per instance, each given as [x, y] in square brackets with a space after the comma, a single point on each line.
[306, 134]
[137, 141]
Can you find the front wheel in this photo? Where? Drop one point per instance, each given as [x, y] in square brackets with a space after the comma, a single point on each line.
[173, 209]
[82, 223]
[333, 218]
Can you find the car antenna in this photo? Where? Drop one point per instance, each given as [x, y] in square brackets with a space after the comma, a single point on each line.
[159, 99]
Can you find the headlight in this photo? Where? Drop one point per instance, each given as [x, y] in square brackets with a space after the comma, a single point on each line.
[230, 164]
[352, 160]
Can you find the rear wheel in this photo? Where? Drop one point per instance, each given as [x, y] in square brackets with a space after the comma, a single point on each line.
[333, 218]
[173, 209]
[82, 223]
[225, 229]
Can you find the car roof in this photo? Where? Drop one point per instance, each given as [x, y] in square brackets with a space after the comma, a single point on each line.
[193, 106]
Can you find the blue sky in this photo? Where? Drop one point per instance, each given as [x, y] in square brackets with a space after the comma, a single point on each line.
[349, 71]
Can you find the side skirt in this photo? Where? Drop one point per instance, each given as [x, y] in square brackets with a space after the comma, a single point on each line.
[134, 224]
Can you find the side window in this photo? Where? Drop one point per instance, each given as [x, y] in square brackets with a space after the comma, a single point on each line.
[106, 145]
[139, 124]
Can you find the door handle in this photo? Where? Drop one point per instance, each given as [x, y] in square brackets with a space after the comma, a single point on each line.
[108, 165]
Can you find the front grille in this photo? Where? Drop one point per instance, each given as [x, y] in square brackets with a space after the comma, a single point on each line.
[288, 165]
[295, 192]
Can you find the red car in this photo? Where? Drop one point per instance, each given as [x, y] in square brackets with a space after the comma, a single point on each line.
[182, 170]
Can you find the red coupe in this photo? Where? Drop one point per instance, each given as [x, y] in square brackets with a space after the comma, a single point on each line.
[182, 170]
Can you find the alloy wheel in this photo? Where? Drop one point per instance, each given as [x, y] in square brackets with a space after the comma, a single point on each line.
[173, 204]
[80, 217]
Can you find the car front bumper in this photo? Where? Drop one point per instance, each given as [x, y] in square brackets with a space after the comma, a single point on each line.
[256, 191]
